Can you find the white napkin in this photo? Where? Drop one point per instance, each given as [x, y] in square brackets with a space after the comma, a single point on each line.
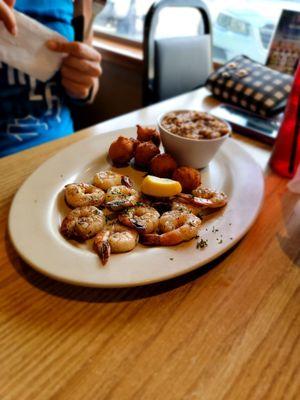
[294, 184]
[27, 51]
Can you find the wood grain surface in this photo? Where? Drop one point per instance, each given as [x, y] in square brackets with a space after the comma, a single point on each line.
[230, 330]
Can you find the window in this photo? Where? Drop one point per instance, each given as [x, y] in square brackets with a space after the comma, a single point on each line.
[239, 27]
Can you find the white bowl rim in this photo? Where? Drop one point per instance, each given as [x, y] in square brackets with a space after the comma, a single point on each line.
[189, 139]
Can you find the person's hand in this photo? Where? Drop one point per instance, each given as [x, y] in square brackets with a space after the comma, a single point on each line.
[80, 70]
[7, 16]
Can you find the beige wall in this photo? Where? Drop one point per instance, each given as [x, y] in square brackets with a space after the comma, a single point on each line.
[120, 92]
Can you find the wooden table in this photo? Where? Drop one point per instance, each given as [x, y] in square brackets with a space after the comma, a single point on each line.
[230, 330]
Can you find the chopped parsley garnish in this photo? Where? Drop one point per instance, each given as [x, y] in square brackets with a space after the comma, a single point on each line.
[202, 244]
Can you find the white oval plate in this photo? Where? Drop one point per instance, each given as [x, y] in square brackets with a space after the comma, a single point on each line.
[39, 207]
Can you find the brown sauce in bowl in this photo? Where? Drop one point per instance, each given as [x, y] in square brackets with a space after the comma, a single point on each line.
[194, 125]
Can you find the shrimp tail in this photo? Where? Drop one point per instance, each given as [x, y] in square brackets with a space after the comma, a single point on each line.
[165, 239]
[137, 225]
[185, 198]
[150, 239]
[126, 181]
[190, 199]
[103, 251]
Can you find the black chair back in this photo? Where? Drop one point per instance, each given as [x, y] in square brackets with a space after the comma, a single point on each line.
[175, 65]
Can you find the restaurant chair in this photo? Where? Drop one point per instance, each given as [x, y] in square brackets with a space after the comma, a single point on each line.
[175, 65]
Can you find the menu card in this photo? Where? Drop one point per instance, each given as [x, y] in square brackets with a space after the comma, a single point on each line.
[284, 53]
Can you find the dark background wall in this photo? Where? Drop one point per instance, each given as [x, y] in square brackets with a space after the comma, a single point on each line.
[120, 92]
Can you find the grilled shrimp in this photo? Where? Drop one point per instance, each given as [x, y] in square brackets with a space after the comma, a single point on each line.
[177, 205]
[106, 179]
[114, 238]
[82, 223]
[83, 194]
[144, 219]
[210, 198]
[176, 227]
[120, 197]
[204, 197]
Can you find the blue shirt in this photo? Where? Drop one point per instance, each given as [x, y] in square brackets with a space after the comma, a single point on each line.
[33, 112]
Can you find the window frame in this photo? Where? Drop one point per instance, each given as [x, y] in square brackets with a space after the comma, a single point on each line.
[98, 33]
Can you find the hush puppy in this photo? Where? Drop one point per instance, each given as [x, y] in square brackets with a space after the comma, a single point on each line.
[163, 165]
[188, 177]
[146, 134]
[122, 150]
[144, 153]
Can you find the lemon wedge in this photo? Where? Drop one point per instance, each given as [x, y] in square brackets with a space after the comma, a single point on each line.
[160, 187]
